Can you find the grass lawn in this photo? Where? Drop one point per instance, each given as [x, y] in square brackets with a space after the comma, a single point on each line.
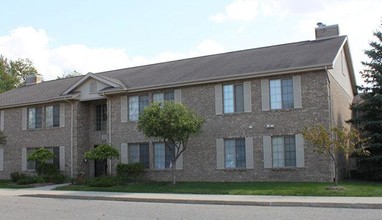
[258, 188]
[10, 185]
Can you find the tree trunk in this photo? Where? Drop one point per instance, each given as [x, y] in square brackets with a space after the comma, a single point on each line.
[173, 169]
[335, 174]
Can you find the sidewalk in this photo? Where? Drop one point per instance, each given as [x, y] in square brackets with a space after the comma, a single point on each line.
[296, 201]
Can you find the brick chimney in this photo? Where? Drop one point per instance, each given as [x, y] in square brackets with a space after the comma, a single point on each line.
[32, 80]
[323, 31]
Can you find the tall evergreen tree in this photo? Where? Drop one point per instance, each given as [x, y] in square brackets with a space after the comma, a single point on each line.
[368, 117]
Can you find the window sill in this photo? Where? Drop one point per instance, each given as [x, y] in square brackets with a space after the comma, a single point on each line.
[286, 168]
[235, 170]
[34, 129]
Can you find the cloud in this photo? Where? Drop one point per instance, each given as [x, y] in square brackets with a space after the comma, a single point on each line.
[36, 45]
[247, 10]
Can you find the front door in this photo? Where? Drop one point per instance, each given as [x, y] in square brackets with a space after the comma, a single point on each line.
[100, 167]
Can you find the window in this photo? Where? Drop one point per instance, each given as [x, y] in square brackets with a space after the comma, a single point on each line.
[136, 106]
[52, 116]
[281, 93]
[139, 153]
[234, 153]
[31, 165]
[284, 151]
[163, 156]
[233, 98]
[101, 117]
[34, 118]
[161, 97]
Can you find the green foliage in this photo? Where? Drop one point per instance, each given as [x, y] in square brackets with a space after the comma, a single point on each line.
[369, 111]
[172, 122]
[13, 73]
[56, 178]
[74, 73]
[103, 181]
[130, 172]
[333, 141]
[3, 138]
[46, 169]
[30, 180]
[41, 155]
[15, 176]
[102, 152]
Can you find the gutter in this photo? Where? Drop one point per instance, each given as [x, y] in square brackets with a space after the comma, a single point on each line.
[221, 79]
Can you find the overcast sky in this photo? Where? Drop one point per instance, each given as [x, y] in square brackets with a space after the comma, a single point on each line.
[93, 35]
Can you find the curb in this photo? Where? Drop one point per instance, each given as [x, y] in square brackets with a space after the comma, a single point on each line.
[216, 202]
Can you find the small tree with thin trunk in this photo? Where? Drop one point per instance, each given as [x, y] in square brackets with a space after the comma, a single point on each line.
[41, 156]
[174, 124]
[334, 141]
[102, 152]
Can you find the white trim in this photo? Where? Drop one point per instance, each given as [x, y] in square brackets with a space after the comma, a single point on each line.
[265, 95]
[218, 99]
[24, 118]
[178, 96]
[62, 158]
[1, 159]
[23, 159]
[300, 157]
[249, 152]
[124, 153]
[267, 151]
[297, 92]
[219, 153]
[62, 115]
[247, 96]
[1, 120]
[87, 76]
[124, 112]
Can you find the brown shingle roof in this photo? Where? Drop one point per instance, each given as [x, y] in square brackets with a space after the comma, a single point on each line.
[293, 56]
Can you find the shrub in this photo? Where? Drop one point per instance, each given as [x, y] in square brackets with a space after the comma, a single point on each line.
[56, 178]
[15, 176]
[30, 180]
[103, 181]
[48, 168]
[130, 172]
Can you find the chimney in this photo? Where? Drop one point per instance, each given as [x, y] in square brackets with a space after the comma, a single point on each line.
[323, 31]
[32, 80]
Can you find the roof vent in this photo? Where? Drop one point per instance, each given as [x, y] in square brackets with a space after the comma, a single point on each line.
[32, 80]
[323, 31]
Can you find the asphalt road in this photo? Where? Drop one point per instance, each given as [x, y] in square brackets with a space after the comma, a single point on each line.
[46, 208]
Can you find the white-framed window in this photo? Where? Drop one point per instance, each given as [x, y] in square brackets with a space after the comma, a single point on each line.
[233, 98]
[52, 116]
[234, 153]
[163, 156]
[139, 153]
[136, 106]
[101, 117]
[281, 93]
[163, 96]
[283, 151]
[34, 118]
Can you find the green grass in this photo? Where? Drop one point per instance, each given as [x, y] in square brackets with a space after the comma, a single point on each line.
[257, 188]
[10, 185]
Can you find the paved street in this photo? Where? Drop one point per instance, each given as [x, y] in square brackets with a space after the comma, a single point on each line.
[15, 207]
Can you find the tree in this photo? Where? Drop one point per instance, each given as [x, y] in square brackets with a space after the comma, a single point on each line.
[14, 73]
[41, 156]
[102, 152]
[172, 122]
[70, 75]
[334, 141]
[369, 111]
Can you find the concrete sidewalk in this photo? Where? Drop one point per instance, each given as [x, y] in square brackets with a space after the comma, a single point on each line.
[295, 201]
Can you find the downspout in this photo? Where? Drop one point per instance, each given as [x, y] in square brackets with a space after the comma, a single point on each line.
[330, 113]
[71, 137]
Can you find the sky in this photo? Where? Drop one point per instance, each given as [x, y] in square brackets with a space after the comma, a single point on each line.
[93, 35]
